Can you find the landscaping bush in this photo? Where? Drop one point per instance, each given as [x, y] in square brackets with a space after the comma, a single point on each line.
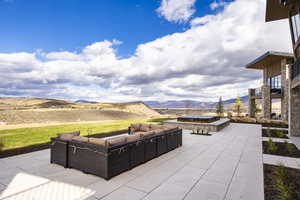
[279, 133]
[289, 147]
[272, 147]
[243, 120]
[281, 149]
[268, 132]
[281, 183]
[263, 122]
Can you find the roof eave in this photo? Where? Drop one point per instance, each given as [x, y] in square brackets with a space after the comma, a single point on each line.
[276, 11]
[254, 64]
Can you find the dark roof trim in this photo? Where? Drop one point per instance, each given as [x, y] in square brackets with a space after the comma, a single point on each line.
[266, 56]
[277, 11]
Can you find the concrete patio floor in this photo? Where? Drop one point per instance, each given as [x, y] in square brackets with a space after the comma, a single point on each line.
[225, 166]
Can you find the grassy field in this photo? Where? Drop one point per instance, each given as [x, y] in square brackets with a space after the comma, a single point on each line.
[23, 137]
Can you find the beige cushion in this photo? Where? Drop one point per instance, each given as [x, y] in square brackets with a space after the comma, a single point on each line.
[68, 136]
[158, 131]
[145, 127]
[80, 139]
[138, 133]
[132, 138]
[170, 126]
[98, 141]
[135, 127]
[146, 134]
[115, 140]
[166, 129]
[133, 130]
[155, 126]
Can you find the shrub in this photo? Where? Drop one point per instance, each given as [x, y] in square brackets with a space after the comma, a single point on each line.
[220, 108]
[238, 106]
[289, 147]
[279, 133]
[282, 188]
[269, 132]
[272, 147]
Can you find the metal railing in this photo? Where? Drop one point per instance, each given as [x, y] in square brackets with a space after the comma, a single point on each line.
[277, 91]
[257, 92]
[296, 69]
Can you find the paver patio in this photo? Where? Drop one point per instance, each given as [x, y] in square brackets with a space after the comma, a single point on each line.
[225, 166]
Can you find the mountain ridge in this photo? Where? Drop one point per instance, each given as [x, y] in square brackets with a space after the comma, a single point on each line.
[189, 103]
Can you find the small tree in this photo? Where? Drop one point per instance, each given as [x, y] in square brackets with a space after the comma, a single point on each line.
[257, 109]
[220, 108]
[238, 106]
[229, 114]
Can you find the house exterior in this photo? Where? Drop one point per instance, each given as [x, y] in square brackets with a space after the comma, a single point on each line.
[275, 67]
[290, 9]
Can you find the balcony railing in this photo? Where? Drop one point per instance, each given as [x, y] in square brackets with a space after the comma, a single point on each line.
[274, 92]
[277, 91]
[296, 69]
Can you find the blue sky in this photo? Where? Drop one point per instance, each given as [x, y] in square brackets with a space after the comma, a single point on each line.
[52, 25]
[129, 50]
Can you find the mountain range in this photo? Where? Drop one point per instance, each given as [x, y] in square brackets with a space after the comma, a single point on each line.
[81, 101]
[189, 103]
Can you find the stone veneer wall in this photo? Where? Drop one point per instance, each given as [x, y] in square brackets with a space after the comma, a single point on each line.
[285, 85]
[295, 112]
[266, 98]
[251, 106]
[295, 82]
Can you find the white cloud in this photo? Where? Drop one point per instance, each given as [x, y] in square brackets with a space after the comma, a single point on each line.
[63, 55]
[176, 10]
[217, 4]
[202, 63]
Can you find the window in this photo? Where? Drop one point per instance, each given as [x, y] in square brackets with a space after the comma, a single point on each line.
[296, 26]
[275, 82]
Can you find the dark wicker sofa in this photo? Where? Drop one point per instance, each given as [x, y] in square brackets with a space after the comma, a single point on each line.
[110, 160]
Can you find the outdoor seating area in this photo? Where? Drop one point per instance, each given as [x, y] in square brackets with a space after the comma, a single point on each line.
[109, 156]
[150, 100]
[227, 165]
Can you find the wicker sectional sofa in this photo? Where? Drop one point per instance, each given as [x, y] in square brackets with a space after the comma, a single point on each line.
[109, 156]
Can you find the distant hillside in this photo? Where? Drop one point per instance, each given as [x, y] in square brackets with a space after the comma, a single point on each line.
[39, 110]
[189, 103]
[133, 107]
[81, 101]
[48, 116]
[31, 103]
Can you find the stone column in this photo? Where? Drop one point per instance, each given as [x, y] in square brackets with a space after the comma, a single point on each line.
[266, 101]
[285, 83]
[251, 106]
[295, 112]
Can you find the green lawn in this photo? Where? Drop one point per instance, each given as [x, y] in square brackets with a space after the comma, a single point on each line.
[23, 137]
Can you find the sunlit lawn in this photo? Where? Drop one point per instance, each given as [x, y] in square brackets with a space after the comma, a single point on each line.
[23, 137]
